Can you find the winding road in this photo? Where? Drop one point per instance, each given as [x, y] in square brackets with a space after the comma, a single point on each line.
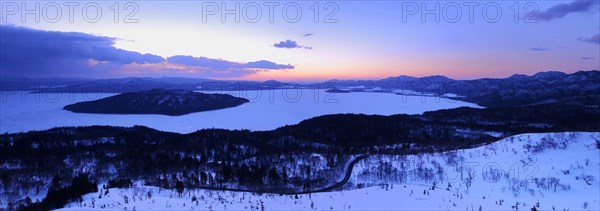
[348, 167]
[338, 185]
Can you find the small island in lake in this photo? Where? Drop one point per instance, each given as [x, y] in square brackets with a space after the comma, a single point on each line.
[157, 101]
[337, 91]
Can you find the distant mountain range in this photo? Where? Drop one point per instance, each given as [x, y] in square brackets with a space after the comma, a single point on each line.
[512, 91]
[516, 90]
[157, 101]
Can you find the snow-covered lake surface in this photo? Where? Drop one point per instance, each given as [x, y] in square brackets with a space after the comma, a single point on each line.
[551, 171]
[268, 109]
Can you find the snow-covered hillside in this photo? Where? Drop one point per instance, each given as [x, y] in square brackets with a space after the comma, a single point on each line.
[553, 171]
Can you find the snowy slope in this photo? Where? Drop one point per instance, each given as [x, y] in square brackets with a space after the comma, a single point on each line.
[528, 168]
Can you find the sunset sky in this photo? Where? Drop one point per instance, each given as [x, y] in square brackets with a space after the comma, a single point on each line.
[362, 40]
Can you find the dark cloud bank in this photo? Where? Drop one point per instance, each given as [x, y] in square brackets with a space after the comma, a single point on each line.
[28, 52]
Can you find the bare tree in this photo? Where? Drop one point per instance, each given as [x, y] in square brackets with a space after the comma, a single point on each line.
[596, 137]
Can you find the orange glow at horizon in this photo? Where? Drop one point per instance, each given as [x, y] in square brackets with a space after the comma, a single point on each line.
[291, 75]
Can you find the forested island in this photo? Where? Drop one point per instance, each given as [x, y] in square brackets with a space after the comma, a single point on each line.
[158, 101]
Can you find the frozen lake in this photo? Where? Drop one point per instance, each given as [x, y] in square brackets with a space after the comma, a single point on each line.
[268, 109]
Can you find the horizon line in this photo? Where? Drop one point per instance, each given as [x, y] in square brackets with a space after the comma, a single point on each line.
[2, 78]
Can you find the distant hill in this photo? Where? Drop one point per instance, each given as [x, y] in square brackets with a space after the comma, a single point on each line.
[157, 101]
[517, 90]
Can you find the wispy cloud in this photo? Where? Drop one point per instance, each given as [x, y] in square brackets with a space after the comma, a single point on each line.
[225, 65]
[29, 52]
[594, 39]
[308, 34]
[267, 65]
[587, 58]
[540, 49]
[562, 10]
[289, 44]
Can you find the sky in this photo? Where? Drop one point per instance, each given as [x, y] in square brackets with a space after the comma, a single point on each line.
[297, 41]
